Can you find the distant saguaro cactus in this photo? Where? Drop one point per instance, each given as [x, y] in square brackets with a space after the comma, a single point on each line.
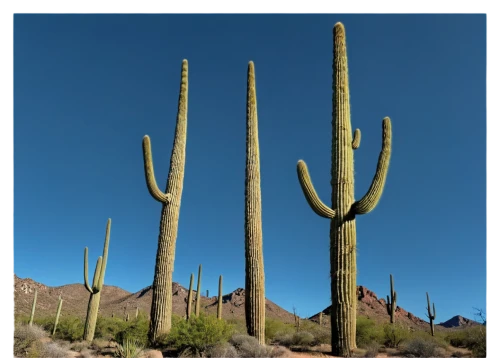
[190, 297]
[255, 301]
[161, 306]
[33, 308]
[344, 208]
[198, 294]
[57, 314]
[219, 301]
[391, 302]
[321, 318]
[97, 285]
[431, 317]
[136, 312]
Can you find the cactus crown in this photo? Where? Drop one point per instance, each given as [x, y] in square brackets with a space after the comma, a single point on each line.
[100, 269]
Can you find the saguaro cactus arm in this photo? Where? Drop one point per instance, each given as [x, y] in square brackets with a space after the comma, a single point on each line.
[86, 269]
[368, 202]
[149, 171]
[312, 198]
[356, 141]
[100, 269]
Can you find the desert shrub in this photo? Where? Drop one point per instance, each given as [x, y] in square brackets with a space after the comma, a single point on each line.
[109, 327]
[199, 333]
[70, 328]
[129, 348]
[134, 331]
[248, 346]
[284, 339]
[372, 349]
[53, 350]
[422, 346]
[303, 338]
[321, 334]
[79, 346]
[367, 331]
[394, 334]
[477, 341]
[275, 327]
[25, 336]
[222, 350]
[239, 325]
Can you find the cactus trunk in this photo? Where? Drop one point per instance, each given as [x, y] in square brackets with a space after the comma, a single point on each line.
[255, 301]
[429, 315]
[32, 316]
[190, 297]
[219, 301]
[391, 302]
[198, 294]
[96, 288]
[344, 209]
[161, 307]
[321, 318]
[57, 315]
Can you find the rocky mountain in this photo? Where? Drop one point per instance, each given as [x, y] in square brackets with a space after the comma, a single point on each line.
[459, 321]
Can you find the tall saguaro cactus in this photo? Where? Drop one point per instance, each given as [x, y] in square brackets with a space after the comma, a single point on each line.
[344, 208]
[190, 298]
[57, 314]
[161, 307]
[219, 301]
[432, 316]
[391, 302]
[33, 308]
[198, 294]
[97, 284]
[255, 301]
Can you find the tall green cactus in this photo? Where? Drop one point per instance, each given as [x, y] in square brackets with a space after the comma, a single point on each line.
[344, 208]
[33, 308]
[255, 301]
[95, 289]
[198, 294]
[391, 302]
[190, 297]
[429, 315]
[161, 306]
[219, 301]
[57, 314]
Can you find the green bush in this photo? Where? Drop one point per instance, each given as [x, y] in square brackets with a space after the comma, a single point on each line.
[276, 328]
[199, 333]
[303, 338]
[129, 348]
[394, 334]
[134, 331]
[70, 328]
[321, 334]
[248, 346]
[368, 331]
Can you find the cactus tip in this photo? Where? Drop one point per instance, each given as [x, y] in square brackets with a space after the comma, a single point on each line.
[339, 27]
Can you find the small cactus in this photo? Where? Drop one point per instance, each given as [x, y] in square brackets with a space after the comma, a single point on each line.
[136, 312]
[391, 302]
[57, 314]
[95, 289]
[429, 315]
[198, 294]
[219, 301]
[321, 318]
[190, 297]
[33, 308]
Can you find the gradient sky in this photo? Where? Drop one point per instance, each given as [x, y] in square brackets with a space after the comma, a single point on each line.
[87, 88]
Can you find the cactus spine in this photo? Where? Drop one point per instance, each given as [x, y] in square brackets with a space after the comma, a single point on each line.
[161, 307]
[344, 208]
[429, 315]
[57, 314]
[391, 302]
[219, 301]
[255, 301]
[33, 308]
[198, 294]
[95, 289]
[190, 297]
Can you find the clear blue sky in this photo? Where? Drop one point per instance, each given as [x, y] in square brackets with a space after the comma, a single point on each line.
[87, 88]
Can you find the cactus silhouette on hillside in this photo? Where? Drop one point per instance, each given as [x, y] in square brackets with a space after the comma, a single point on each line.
[96, 288]
[344, 208]
[161, 306]
[219, 301]
[391, 302]
[33, 308]
[431, 316]
[198, 294]
[189, 298]
[57, 314]
[255, 301]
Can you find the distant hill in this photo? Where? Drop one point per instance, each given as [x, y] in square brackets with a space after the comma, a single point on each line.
[459, 321]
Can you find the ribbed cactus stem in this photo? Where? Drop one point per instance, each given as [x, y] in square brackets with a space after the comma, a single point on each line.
[344, 208]
[391, 302]
[161, 305]
[190, 297]
[429, 315]
[198, 294]
[255, 301]
[57, 314]
[321, 318]
[96, 288]
[32, 316]
[219, 301]
[136, 312]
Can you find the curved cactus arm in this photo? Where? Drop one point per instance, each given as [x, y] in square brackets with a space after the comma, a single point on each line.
[394, 297]
[356, 141]
[104, 256]
[434, 309]
[388, 305]
[97, 274]
[368, 202]
[312, 198]
[86, 269]
[149, 171]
